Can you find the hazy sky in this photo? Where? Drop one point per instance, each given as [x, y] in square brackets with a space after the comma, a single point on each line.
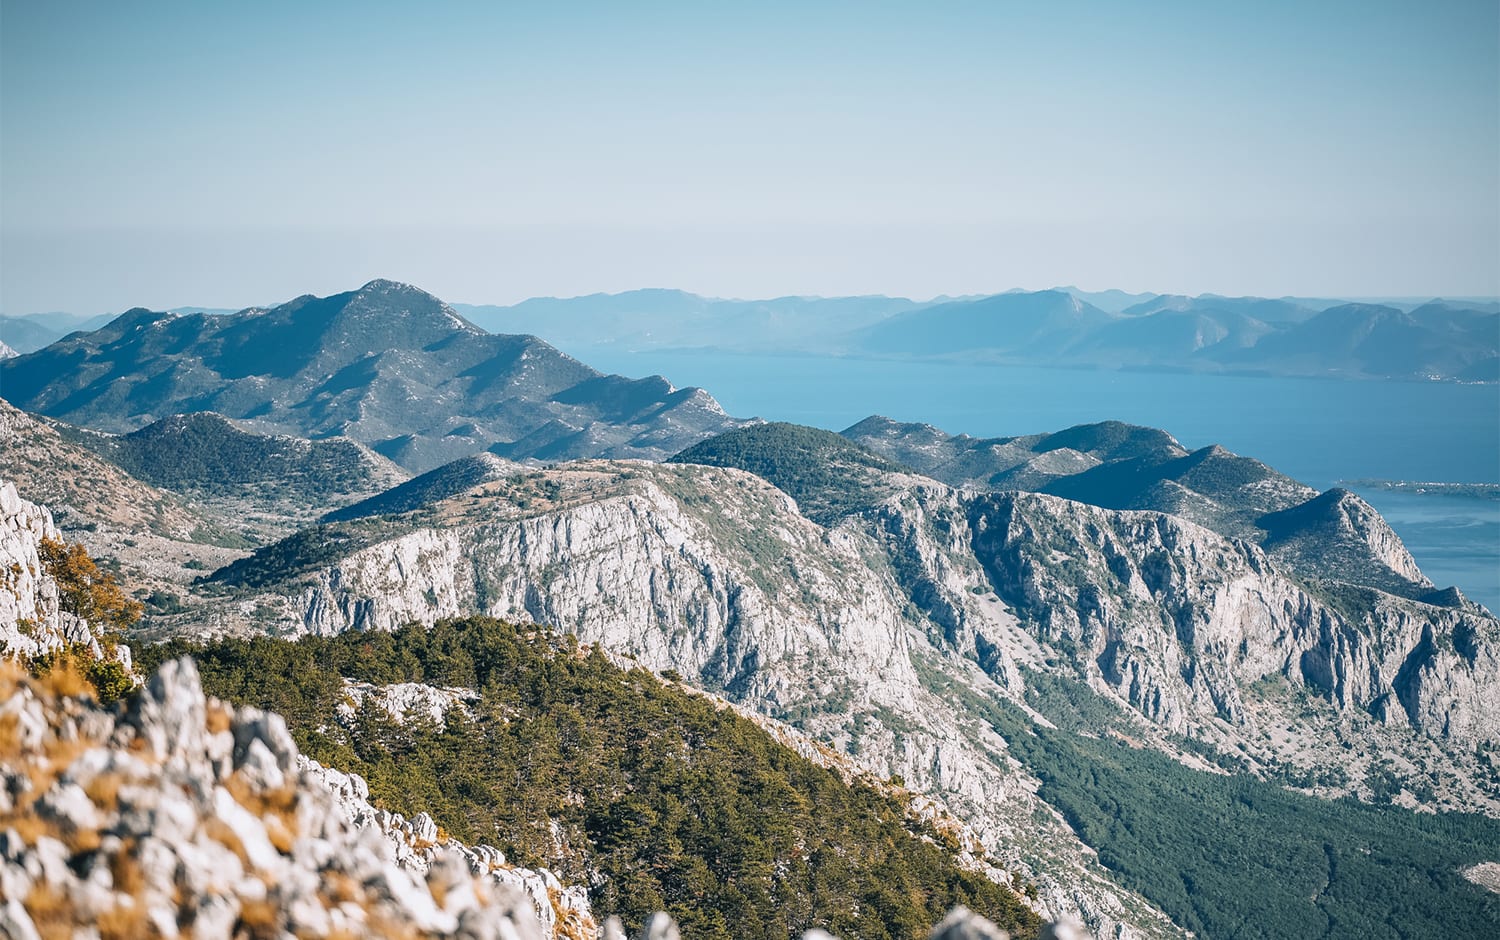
[162, 154]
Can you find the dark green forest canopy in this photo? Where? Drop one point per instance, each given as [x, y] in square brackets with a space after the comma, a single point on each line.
[682, 805]
[1234, 856]
[827, 474]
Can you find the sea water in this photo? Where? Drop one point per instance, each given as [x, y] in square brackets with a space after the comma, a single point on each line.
[1320, 431]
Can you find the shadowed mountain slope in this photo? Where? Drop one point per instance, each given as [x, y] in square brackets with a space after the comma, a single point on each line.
[387, 365]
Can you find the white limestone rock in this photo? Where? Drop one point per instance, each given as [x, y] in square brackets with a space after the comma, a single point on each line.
[217, 817]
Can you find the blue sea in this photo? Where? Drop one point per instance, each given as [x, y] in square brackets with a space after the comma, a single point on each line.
[1319, 431]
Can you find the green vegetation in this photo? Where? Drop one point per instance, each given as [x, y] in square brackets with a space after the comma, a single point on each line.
[85, 591]
[680, 804]
[105, 678]
[205, 453]
[827, 474]
[448, 480]
[93, 595]
[1232, 856]
[304, 551]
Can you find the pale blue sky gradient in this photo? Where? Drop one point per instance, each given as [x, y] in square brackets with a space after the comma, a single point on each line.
[201, 153]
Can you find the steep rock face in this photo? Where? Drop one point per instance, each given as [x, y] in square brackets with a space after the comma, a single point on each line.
[1177, 619]
[31, 621]
[925, 535]
[1335, 535]
[182, 813]
[1341, 533]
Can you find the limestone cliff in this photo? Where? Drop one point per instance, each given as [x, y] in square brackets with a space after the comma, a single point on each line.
[31, 618]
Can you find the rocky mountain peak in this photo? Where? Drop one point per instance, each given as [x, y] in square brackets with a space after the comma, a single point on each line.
[1348, 535]
[388, 365]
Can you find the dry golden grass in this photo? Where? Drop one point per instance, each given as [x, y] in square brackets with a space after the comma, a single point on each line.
[126, 871]
[12, 673]
[569, 925]
[339, 887]
[258, 920]
[10, 737]
[51, 912]
[218, 717]
[276, 808]
[439, 892]
[28, 826]
[64, 680]
[382, 926]
[79, 840]
[104, 790]
[125, 923]
[280, 834]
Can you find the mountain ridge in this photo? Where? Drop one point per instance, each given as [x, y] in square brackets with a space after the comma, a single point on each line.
[387, 365]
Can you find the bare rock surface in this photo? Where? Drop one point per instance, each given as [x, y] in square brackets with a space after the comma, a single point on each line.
[31, 620]
[183, 816]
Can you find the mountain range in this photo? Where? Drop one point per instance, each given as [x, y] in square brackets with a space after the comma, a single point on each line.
[1080, 650]
[1447, 340]
[1436, 340]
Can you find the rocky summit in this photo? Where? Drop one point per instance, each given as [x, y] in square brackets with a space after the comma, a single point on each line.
[387, 365]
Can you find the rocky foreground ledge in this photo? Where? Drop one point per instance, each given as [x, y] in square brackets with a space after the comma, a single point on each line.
[177, 815]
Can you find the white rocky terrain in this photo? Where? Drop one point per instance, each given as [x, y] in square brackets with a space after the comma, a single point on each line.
[184, 816]
[32, 620]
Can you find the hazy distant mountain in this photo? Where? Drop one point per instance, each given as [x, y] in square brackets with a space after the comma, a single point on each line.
[1043, 323]
[644, 319]
[1434, 340]
[1170, 335]
[25, 335]
[1110, 301]
[388, 365]
[1290, 336]
[36, 330]
[1285, 310]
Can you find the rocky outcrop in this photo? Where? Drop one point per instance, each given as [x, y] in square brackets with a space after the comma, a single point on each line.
[1178, 620]
[1338, 533]
[404, 701]
[31, 620]
[182, 815]
[448, 480]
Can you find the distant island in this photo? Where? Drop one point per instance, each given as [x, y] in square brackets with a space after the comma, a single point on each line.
[1472, 490]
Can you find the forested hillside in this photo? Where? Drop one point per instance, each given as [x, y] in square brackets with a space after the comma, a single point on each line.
[675, 802]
